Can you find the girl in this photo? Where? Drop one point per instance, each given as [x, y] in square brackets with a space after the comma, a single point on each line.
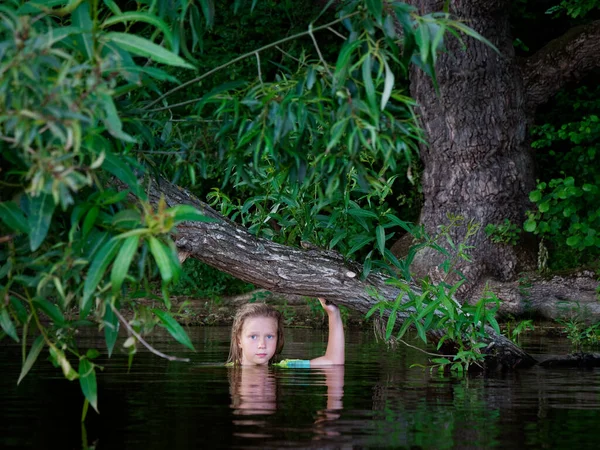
[257, 336]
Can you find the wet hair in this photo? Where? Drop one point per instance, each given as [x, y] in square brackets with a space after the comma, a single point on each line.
[250, 311]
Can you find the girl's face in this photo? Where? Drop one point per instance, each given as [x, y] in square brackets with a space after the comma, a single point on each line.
[258, 340]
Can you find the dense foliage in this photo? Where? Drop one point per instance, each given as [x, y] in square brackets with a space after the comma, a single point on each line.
[89, 92]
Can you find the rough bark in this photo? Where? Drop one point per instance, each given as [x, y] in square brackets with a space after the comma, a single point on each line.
[563, 60]
[278, 268]
[477, 161]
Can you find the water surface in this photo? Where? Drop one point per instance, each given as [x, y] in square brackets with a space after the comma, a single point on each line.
[375, 401]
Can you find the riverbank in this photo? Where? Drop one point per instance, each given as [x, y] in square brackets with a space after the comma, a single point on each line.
[298, 311]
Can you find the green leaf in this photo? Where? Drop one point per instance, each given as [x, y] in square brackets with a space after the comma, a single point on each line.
[343, 62]
[388, 85]
[161, 255]
[133, 16]
[359, 242]
[120, 169]
[357, 212]
[144, 47]
[423, 40]
[13, 217]
[7, 325]
[114, 8]
[380, 232]
[90, 220]
[81, 19]
[573, 241]
[111, 329]
[420, 331]
[405, 326]
[122, 262]
[32, 356]
[87, 381]
[41, 209]
[208, 9]
[375, 7]
[99, 265]
[188, 212]
[92, 353]
[368, 81]
[442, 361]
[530, 225]
[493, 323]
[112, 121]
[401, 223]
[535, 196]
[59, 358]
[174, 328]
[50, 309]
[22, 313]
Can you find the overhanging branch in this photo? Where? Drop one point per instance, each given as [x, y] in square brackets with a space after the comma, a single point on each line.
[567, 58]
[287, 270]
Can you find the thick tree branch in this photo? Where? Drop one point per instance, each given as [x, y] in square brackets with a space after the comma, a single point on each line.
[278, 268]
[567, 58]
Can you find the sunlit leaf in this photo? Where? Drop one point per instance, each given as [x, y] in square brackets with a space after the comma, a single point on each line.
[120, 267]
[140, 16]
[59, 358]
[174, 328]
[32, 356]
[388, 85]
[87, 381]
[161, 255]
[188, 212]
[143, 47]
[96, 272]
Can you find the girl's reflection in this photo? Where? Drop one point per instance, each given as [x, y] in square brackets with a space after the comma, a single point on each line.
[334, 379]
[254, 391]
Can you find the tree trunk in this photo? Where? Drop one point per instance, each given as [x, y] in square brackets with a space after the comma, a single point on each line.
[477, 162]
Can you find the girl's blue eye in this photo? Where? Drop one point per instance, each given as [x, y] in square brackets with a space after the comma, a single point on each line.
[270, 336]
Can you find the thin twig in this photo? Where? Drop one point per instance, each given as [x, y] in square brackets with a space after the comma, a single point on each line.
[312, 36]
[424, 351]
[239, 58]
[15, 142]
[337, 33]
[141, 339]
[259, 72]
[290, 56]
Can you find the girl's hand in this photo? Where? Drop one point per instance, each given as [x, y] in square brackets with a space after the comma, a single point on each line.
[330, 308]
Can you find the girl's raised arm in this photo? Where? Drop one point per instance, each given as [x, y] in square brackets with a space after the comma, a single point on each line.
[335, 353]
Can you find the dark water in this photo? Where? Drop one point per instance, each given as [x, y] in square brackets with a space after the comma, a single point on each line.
[376, 401]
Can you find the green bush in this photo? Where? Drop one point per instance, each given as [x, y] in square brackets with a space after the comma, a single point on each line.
[567, 195]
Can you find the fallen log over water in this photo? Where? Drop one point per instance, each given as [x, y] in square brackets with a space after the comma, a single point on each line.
[287, 270]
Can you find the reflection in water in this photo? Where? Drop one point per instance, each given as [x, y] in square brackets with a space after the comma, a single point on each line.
[375, 401]
[334, 379]
[254, 392]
